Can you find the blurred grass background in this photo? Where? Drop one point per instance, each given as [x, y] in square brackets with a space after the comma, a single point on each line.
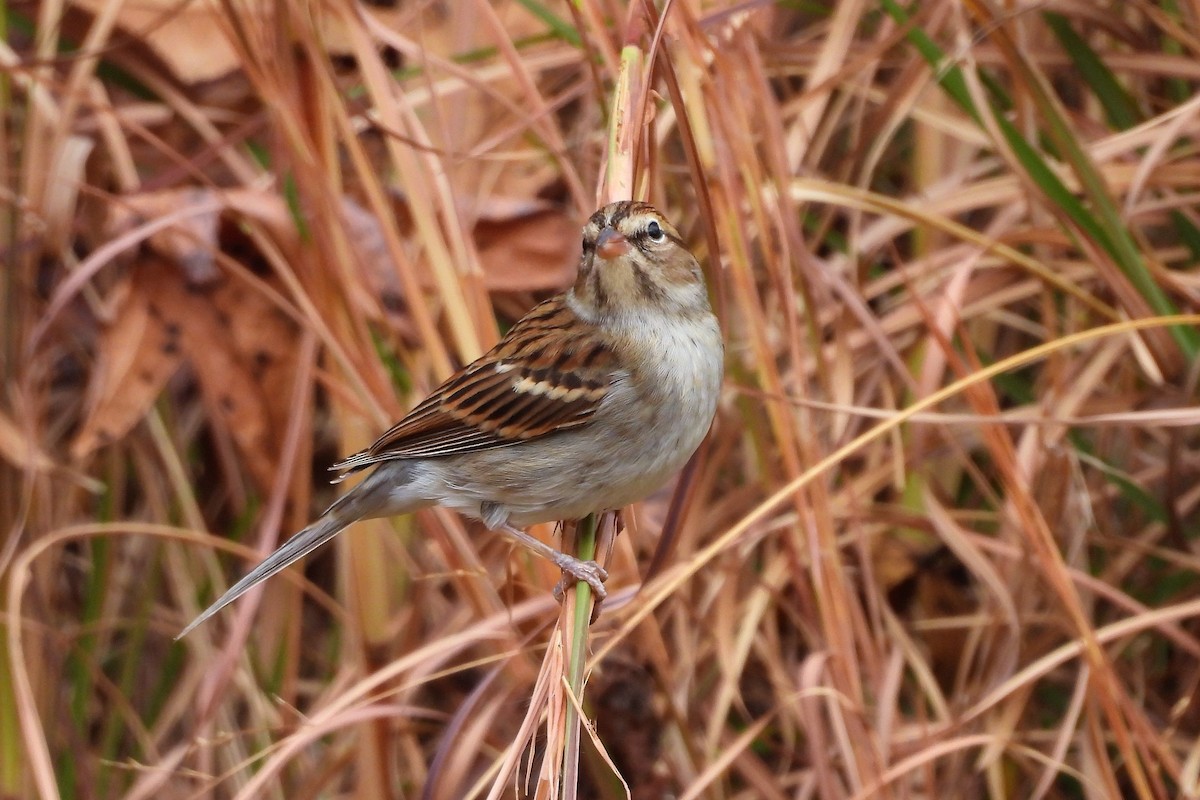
[942, 540]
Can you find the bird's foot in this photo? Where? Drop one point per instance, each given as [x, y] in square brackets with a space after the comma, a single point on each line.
[575, 570]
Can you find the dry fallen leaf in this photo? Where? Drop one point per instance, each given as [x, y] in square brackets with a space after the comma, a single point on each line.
[532, 252]
[190, 37]
[135, 358]
[229, 380]
[180, 304]
[193, 38]
[245, 379]
[163, 321]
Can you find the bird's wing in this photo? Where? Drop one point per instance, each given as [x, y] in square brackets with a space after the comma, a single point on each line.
[548, 374]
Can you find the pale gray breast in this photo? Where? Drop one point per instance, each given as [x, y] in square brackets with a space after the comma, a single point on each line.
[680, 392]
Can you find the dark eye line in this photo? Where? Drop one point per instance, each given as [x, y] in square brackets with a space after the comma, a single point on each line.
[642, 237]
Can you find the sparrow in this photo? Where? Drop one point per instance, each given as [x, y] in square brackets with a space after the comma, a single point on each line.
[589, 403]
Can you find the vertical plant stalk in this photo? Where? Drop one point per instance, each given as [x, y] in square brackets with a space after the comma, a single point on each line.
[10, 726]
[617, 183]
[585, 540]
[623, 139]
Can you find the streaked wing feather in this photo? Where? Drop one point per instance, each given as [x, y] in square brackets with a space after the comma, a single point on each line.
[550, 373]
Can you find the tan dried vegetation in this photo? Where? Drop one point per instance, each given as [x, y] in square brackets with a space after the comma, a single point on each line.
[941, 543]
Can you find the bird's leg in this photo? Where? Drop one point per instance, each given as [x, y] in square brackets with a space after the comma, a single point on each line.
[606, 533]
[588, 571]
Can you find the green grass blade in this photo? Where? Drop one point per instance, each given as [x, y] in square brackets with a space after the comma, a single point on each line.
[1119, 108]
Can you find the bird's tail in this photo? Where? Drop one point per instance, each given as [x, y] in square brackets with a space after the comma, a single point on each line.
[329, 525]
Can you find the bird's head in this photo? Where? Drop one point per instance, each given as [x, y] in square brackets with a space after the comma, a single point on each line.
[634, 261]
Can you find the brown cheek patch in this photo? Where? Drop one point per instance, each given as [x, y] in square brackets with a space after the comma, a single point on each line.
[598, 292]
[646, 286]
[682, 268]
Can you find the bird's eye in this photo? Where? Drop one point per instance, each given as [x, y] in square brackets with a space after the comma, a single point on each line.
[655, 232]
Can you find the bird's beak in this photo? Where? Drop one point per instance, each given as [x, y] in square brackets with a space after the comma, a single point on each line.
[611, 244]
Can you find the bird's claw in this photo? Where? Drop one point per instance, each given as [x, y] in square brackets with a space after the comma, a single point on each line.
[589, 572]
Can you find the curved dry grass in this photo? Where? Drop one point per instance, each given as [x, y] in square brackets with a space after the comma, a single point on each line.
[940, 543]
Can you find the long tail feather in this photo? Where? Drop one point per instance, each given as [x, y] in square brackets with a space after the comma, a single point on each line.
[300, 545]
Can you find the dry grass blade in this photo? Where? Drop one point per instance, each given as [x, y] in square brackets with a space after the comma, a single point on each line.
[941, 541]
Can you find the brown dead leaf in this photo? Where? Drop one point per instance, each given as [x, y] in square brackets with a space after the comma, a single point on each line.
[231, 386]
[189, 37]
[524, 245]
[192, 243]
[163, 321]
[532, 252]
[136, 357]
[262, 338]
[181, 304]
